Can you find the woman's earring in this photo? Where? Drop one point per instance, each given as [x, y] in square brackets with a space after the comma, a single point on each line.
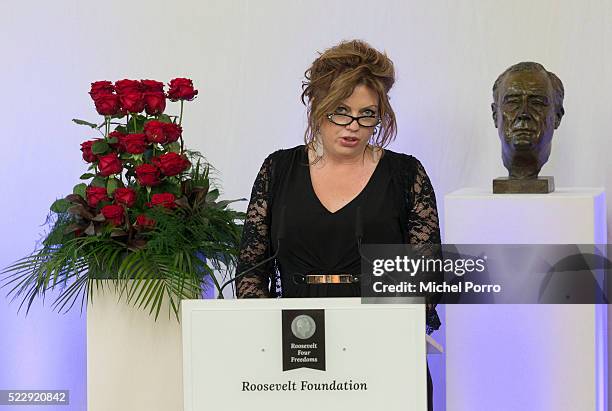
[375, 131]
[318, 144]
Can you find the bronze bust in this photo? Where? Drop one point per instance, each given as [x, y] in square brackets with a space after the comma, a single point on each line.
[527, 108]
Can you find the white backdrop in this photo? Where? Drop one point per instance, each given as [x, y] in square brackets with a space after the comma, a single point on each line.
[248, 57]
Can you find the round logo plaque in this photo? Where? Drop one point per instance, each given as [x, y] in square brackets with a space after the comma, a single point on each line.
[303, 326]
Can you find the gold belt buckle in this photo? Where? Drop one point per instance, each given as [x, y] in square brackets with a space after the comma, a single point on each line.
[329, 279]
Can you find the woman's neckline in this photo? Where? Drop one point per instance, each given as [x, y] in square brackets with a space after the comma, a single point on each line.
[352, 200]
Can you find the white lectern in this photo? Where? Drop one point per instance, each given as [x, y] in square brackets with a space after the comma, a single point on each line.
[238, 355]
[136, 363]
[525, 357]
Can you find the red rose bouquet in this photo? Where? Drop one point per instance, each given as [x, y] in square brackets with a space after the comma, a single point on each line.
[144, 211]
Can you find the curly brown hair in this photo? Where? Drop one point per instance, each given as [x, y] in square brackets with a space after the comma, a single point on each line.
[332, 78]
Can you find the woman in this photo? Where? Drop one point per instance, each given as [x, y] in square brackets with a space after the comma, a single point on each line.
[307, 201]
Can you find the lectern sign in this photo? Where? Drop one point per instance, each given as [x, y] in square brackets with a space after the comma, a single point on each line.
[303, 339]
[300, 354]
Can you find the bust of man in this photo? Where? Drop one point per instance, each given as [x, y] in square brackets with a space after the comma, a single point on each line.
[527, 107]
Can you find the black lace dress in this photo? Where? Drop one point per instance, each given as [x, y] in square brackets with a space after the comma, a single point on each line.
[397, 205]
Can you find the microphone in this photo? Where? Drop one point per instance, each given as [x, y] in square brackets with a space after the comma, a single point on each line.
[359, 236]
[280, 236]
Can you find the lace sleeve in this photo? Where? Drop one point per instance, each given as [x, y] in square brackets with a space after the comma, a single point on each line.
[425, 230]
[423, 219]
[254, 246]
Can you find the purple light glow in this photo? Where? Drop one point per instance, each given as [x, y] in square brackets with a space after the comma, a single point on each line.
[43, 351]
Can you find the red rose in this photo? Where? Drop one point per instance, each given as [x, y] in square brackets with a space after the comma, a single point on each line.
[119, 144]
[173, 132]
[152, 85]
[171, 164]
[132, 102]
[95, 195]
[109, 164]
[181, 89]
[144, 221]
[125, 196]
[107, 104]
[155, 131]
[134, 143]
[155, 102]
[128, 86]
[88, 155]
[165, 200]
[113, 213]
[147, 175]
[99, 88]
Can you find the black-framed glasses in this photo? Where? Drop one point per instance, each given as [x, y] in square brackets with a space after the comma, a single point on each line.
[345, 120]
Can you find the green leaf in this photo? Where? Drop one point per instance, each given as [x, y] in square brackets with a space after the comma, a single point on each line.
[164, 118]
[212, 195]
[112, 185]
[80, 189]
[84, 123]
[167, 187]
[99, 147]
[113, 140]
[60, 206]
[121, 129]
[99, 182]
[136, 123]
[87, 176]
[147, 155]
[225, 203]
[173, 147]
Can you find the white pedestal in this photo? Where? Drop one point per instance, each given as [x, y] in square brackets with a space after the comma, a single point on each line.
[133, 362]
[525, 357]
